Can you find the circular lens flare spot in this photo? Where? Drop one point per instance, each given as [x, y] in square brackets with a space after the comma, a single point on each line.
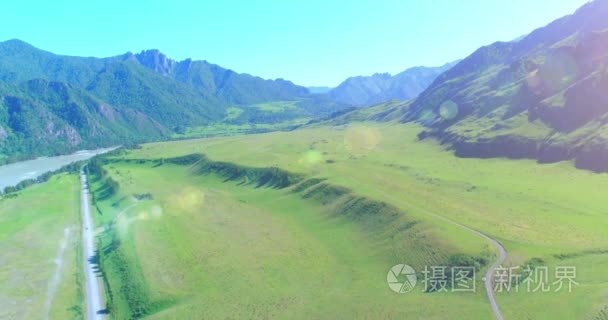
[156, 211]
[361, 140]
[143, 215]
[448, 110]
[187, 199]
[311, 158]
[557, 72]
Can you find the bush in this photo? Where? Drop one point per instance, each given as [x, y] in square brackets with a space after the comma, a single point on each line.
[465, 260]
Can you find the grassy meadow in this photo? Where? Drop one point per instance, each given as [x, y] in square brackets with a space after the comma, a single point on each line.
[190, 246]
[553, 212]
[227, 129]
[40, 252]
[255, 118]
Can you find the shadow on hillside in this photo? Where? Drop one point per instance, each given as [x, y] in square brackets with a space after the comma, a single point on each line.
[104, 192]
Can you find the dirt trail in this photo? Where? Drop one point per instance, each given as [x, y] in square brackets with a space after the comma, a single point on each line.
[56, 278]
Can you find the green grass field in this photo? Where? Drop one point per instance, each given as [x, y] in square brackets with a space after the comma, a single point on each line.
[34, 226]
[224, 129]
[552, 212]
[256, 118]
[278, 106]
[200, 247]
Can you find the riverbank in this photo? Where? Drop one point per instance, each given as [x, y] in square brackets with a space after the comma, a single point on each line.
[14, 173]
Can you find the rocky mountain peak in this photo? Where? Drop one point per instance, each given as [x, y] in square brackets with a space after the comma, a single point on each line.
[156, 60]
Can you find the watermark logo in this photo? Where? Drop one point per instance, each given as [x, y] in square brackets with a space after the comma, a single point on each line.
[537, 279]
[449, 278]
[401, 278]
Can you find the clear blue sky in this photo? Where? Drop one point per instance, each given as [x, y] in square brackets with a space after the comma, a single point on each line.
[309, 42]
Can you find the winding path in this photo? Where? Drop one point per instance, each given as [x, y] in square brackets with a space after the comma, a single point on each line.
[93, 294]
[502, 255]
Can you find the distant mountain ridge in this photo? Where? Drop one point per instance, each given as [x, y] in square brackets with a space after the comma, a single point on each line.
[380, 87]
[22, 61]
[543, 96]
[238, 88]
[53, 104]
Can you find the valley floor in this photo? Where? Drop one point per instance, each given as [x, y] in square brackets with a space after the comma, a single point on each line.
[552, 215]
[201, 247]
[306, 224]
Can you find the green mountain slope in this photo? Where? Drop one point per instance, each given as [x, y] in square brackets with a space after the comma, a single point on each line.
[128, 84]
[225, 84]
[54, 103]
[22, 61]
[541, 97]
[46, 118]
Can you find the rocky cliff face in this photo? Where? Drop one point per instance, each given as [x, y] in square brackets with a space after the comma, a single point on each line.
[223, 84]
[156, 61]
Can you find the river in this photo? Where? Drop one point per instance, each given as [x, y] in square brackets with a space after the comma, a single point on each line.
[12, 174]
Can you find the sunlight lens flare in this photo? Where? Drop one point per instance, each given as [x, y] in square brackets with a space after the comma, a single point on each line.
[311, 158]
[124, 220]
[156, 212]
[361, 140]
[448, 110]
[558, 71]
[187, 199]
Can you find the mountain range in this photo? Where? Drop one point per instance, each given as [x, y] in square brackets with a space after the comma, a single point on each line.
[367, 90]
[53, 104]
[543, 96]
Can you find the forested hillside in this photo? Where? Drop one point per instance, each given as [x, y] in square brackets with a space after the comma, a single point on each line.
[52, 104]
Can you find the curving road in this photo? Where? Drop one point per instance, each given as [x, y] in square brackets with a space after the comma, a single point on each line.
[502, 255]
[93, 293]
